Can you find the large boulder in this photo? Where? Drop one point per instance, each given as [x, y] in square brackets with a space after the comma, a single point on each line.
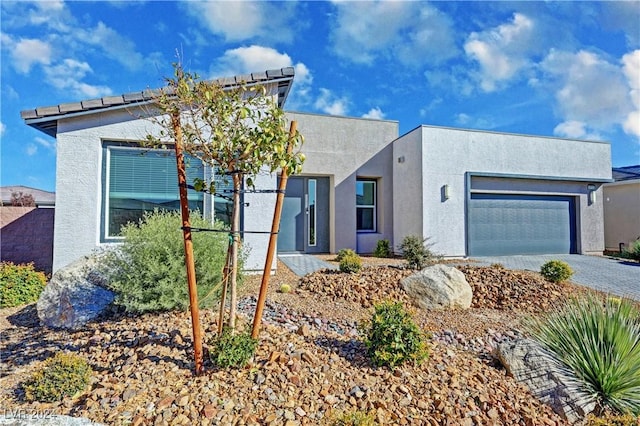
[529, 363]
[75, 295]
[439, 287]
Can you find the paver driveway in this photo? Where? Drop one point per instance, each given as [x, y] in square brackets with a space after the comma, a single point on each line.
[614, 276]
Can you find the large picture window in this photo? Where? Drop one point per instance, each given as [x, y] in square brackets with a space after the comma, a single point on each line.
[366, 205]
[141, 180]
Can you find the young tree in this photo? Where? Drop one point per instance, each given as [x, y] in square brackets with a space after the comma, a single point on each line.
[238, 130]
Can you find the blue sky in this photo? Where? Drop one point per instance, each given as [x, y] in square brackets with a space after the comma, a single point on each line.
[568, 69]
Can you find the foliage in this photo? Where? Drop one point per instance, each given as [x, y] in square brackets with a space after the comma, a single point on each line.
[556, 271]
[351, 263]
[344, 252]
[633, 252]
[383, 249]
[232, 350]
[600, 343]
[497, 266]
[353, 418]
[20, 284]
[147, 272]
[285, 288]
[392, 337]
[613, 420]
[63, 375]
[20, 199]
[417, 252]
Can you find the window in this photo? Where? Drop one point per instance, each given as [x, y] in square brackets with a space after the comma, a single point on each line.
[140, 180]
[223, 198]
[366, 205]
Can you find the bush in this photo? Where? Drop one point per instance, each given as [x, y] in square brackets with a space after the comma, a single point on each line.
[556, 271]
[392, 337]
[63, 375]
[20, 284]
[600, 343]
[148, 271]
[383, 249]
[633, 252]
[417, 252]
[344, 252]
[353, 418]
[351, 263]
[613, 420]
[232, 350]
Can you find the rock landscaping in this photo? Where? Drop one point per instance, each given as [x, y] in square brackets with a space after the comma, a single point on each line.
[310, 364]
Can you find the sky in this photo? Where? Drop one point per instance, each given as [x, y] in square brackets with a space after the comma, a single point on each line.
[563, 69]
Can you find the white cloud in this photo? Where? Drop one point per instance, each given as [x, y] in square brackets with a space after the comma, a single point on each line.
[45, 143]
[68, 76]
[31, 150]
[3, 128]
[26, 52]
[575, 130]
[502, 52]
[114, 45]
[330, 104]
[244, 20]
[412, 32]
[631, 69]
[375, 113]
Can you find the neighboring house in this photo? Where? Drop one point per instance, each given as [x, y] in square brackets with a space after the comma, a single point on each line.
[622, 208]
[472, 192]
[26, 232]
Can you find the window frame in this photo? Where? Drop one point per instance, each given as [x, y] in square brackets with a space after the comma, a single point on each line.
[373, 207]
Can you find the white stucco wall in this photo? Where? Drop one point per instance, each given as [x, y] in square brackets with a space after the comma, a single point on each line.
[449, 154]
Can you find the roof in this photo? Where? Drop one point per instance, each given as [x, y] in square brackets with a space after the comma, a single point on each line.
[626, 173]
[46, 118]
[42, 198]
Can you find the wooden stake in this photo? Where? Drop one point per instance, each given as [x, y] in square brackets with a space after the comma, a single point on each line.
[273, 239]
[223, 294]
[188, 247]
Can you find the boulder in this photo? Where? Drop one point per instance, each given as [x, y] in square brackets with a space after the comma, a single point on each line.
[547, 378]
[75, 295]
[438, 287]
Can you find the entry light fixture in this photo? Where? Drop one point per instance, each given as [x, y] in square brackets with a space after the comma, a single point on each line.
[446, 192]
[592, 193]
[401, 159]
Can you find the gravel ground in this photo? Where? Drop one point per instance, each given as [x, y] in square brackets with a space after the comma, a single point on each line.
[309, 366]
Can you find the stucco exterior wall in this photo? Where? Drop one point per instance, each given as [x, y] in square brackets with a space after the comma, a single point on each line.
[621, 214]
[344, 149]
[27, 236]
[448, 155]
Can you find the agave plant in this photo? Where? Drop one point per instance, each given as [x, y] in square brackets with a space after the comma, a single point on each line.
[600, 343]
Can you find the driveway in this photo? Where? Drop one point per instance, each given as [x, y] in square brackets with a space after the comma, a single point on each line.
[614, 276]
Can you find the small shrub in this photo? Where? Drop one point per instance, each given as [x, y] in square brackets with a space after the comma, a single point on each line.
[633, 252]
[344, 252]
[392, 337]
[285, 288]
[63, 375]
[147, 272]
[613, 420]
[20, 284]
[497, 266]
[556, 271]
[599, 343]
[353, 418]
[351, 263]
[417, 252]
[383, 249]
[232, 350]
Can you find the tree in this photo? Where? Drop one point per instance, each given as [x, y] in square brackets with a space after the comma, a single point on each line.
[237, 130]
[20, 199]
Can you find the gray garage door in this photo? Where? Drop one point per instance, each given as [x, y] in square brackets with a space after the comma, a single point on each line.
[520, 224]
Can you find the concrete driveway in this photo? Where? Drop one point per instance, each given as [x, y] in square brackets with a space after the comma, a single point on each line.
[615, 276]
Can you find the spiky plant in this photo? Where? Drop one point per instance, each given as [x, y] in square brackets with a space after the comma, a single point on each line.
[600, 343]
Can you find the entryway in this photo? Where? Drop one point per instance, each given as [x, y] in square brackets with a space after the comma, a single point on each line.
[304, 225]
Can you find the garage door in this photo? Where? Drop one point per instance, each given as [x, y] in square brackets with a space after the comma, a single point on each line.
[519, 224]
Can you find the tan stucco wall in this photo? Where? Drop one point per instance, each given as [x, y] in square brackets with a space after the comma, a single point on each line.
[621, 214]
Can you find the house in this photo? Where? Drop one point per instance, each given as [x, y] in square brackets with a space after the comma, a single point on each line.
[473, 192]
[26, 231]
[622, 208]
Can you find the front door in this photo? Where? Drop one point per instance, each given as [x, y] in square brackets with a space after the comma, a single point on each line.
[304, 225]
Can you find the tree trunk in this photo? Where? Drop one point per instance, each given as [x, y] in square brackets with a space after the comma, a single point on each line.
[235, 230]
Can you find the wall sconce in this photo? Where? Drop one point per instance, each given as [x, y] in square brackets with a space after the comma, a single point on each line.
[445, 192]
[592, 193]
[401, 159]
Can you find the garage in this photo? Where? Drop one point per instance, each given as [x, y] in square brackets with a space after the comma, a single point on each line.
[508, 224]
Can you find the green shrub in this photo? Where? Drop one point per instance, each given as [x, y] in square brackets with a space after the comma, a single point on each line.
[383, 249]
[600, 343]
[556, 271]
[633, 252]
[613, 420]
[148, 271]
[63, 375]
[20, 284]
[232, 350]
[417, 252]
[351, 263]
[344, 252]
[353, 418]
[392, 337]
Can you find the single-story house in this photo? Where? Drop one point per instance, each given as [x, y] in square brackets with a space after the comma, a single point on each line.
[26, 229]
[472, 192]
[622, 208]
